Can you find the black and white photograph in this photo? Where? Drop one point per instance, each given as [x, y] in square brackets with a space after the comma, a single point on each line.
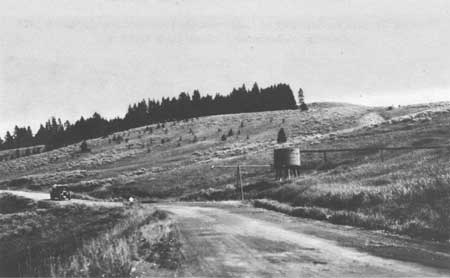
[206, 138]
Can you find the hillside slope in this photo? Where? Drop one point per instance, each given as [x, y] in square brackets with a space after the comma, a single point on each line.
[175, 157]
[175, 161]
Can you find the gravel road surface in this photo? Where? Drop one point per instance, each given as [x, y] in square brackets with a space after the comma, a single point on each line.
[231, 240]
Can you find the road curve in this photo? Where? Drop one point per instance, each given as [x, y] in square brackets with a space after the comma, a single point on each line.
[221, 242]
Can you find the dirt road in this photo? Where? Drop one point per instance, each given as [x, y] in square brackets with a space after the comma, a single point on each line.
[46, 196]
[231, 240]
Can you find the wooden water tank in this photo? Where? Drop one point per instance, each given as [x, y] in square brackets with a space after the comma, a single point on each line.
[286, 158]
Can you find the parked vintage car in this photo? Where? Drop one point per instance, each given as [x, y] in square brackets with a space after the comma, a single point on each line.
[60, 192]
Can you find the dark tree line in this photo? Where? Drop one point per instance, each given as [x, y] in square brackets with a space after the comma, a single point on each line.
[55, 134]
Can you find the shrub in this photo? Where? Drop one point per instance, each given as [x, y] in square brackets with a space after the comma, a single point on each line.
[84, 147]
[309, 212]
[223, 138]
[230, 132]
[303, 107]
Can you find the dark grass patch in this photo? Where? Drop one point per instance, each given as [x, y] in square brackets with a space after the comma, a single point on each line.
[10, 203]
[20, 182]
[30, 240]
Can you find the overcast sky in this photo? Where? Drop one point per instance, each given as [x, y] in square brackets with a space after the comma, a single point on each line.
[72, 58]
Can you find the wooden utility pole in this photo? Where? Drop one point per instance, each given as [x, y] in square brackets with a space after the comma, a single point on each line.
[239, 167]
[239, 181]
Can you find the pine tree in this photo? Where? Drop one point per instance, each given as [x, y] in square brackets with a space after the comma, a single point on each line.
[9, 141]
[301, 100]
[281, 136]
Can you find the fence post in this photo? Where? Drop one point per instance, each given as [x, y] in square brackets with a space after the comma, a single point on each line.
[382, 155]
[325, 160]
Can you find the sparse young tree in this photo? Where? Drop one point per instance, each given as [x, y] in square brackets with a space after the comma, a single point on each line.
[84, 147]
[230, 132]
[281, 136]
[301, 101]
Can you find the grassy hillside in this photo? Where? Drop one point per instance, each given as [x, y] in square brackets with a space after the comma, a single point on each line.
[174, 159]
[407, 192]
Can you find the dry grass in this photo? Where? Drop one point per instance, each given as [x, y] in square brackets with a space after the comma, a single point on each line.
[49, 239]
[28, 239]
[141, 236]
